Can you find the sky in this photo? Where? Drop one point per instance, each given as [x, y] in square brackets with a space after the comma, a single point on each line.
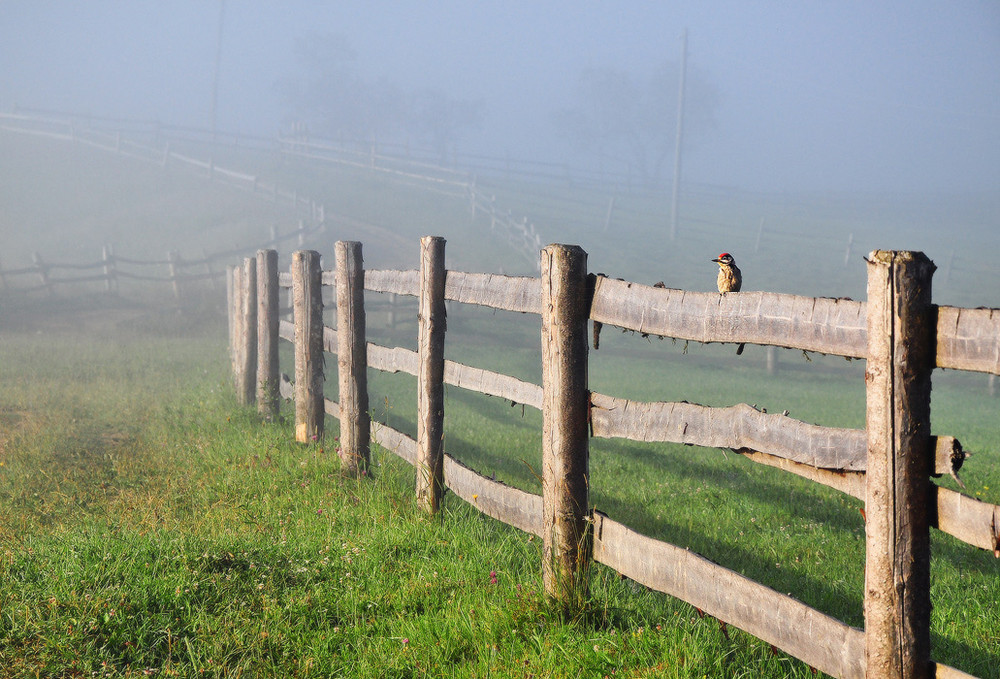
[899, 96]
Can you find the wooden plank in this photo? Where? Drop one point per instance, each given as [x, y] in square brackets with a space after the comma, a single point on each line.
[746, 429]
[430, 375]
[815, 638]
[397, 282]
[740, 426]
[395, 442]
[352, 360]
[493, 384]
[851, 483]
[968, 519]
[566, 535]
[513, 506]
[968, 339]
[901, 326]
[510, 293]
[829, 326]
[393, 360]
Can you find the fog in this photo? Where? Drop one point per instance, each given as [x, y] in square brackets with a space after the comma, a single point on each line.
[898, 96]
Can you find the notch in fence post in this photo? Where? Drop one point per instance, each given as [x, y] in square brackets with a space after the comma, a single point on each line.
[901, 335]
[567, 539]
[246, 386]
[307, 305]
[267, 333]
[430, 379]
[352, 360]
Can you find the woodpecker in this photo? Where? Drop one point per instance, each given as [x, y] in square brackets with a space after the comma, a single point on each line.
[730, 280]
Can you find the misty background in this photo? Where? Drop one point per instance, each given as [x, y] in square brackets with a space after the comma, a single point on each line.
[810, 96]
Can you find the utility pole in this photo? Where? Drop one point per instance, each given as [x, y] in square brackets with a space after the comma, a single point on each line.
[218, 63]
[680, 137]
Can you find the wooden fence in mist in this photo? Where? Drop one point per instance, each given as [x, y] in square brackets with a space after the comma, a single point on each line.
[901, 334]
[107, 273]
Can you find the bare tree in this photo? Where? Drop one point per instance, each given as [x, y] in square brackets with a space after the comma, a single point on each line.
[618, 114]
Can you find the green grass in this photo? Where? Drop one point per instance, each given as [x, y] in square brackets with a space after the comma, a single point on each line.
[149, 525]
[152, 525]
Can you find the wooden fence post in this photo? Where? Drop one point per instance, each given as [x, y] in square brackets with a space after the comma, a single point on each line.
[173, 262]
[901, 327]
[430, 379]
[43, 273]
[110, 278]
[267, 333]
[246, 340]
[352, 360]
[567, 539]
[307, 304]
[233, 291]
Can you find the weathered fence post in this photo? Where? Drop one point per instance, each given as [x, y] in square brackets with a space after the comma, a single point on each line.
[901, 327]
[307, 305]
[234, 293]
[352, 360]
[110, 277]
[43, 273]
[430, 379]
[246, 340]
[567, 539]
[267, 333]
[173, 262]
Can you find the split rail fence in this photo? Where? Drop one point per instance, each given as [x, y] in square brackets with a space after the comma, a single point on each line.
[889, 465]
[177, 271]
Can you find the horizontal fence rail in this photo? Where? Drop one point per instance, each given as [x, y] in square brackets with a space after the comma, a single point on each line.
[967, 339]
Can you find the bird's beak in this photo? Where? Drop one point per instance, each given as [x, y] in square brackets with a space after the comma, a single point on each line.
[716, 260]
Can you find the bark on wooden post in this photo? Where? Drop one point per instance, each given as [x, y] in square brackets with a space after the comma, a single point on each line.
[307, 305]
[267, 333]
[430, 379]
[246, 385]
[352, 360]
[567, 539]
[901, 327]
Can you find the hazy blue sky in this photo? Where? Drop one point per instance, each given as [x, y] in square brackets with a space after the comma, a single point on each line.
[900, 95]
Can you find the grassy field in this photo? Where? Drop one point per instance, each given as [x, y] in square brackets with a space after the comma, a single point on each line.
[150, 526]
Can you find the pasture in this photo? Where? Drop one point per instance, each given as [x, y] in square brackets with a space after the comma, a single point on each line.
[152, 526]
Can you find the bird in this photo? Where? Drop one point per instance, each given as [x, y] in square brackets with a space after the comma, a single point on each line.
[730, 279]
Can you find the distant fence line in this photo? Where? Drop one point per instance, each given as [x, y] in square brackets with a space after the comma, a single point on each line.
[519, 233]
[177, 271]
[902, 335]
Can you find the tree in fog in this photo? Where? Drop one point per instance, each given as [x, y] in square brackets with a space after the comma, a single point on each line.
[619, 116]
[332, 99]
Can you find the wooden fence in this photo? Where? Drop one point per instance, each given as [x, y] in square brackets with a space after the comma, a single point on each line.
[902, 335]
[106, 273]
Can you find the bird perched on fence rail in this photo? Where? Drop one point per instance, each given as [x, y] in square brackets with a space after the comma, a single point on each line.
[730, 279]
